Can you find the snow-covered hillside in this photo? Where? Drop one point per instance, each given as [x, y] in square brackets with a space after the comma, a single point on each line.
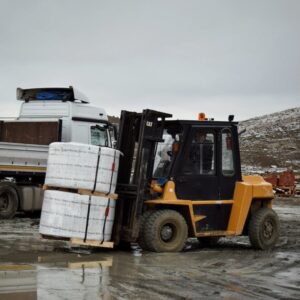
[272, 140]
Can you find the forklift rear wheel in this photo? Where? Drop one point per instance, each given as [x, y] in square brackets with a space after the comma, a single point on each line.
[165, 231]
[208, 241]
[8, 201]
[141, 240]
[264, 229]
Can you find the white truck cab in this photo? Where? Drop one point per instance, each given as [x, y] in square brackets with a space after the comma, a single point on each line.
[47, 115]
[81, 122]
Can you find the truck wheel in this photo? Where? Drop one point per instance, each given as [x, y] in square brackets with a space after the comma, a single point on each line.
[264, 229]
[208, 241]
[9, 201]
[165, 231]
[141, 240]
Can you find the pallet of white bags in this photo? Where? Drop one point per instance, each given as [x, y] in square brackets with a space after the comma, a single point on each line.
[92, 243]
[81, 192]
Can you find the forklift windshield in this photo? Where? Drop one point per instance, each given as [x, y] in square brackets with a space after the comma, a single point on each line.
[166, 152]
[163, 157]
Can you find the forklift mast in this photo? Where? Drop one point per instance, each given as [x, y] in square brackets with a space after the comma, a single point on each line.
[138, 136]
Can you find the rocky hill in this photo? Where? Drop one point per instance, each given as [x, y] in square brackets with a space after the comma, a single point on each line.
[113, 119]
[272, 140]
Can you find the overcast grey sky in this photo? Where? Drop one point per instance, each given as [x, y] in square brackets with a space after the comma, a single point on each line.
[182, 57]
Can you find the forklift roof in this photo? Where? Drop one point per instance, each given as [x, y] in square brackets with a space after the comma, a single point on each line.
[206, 123]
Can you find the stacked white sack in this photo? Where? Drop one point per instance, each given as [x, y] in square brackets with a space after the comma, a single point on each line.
[74, 165]
[65, 215]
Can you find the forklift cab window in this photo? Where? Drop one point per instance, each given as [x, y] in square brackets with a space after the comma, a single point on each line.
[227, 154]
[99, 135]
[200, 157]
[165, 152]
[163, 157]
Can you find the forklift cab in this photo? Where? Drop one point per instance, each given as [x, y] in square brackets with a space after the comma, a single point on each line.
[180, 179]
[201, 157]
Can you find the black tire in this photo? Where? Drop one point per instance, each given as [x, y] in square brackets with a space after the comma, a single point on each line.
[264, 229]
[9, 200]
[141, 240]
[208, 241]
[165, 231]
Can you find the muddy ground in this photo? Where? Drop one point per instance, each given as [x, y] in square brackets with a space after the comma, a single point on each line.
[31, 268]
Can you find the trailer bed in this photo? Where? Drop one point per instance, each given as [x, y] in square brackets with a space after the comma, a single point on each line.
[27, 158]
[24, 145]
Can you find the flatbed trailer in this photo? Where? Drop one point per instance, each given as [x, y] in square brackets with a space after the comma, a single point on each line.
[16, 157]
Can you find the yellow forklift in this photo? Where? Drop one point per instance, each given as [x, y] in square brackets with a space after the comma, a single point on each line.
[180, 179]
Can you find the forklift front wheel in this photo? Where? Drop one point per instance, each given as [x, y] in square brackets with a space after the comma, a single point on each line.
[264, 229]
[141, 241]
[165, 231]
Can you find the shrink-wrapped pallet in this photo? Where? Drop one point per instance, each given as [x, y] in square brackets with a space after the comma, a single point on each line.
[65, 215]
[80, 166]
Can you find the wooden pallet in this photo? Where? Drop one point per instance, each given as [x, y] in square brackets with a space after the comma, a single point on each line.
[92, 243]
[80, 242]
[80, 191]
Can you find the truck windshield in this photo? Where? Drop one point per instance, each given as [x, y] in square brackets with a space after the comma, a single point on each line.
[99, 135]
